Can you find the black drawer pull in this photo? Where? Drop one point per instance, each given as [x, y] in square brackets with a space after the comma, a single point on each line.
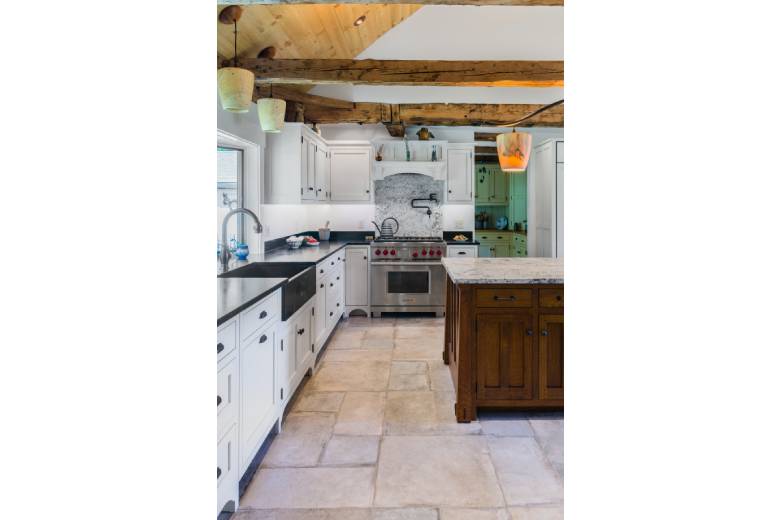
[219, 400]
[263, 338]
[504, 298]
[558, 298]
[331, 313]
[322, 271]
[220, 347]
[219, 472]
[322, 285]
[544, 333]
[263, 315]
[529, 332]
[332, 263]
[461, 252]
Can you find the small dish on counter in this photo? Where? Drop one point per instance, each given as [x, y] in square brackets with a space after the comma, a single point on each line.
[460, 238]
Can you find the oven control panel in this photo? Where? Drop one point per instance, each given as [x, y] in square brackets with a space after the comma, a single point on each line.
[407, 252]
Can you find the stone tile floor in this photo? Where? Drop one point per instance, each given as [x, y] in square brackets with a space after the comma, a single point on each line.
[372, 436]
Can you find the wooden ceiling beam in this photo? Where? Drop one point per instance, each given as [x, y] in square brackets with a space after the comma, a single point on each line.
[417, 2]
[408, 72]
[293, 95]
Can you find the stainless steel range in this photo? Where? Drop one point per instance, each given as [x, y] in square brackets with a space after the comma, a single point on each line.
[407, 275]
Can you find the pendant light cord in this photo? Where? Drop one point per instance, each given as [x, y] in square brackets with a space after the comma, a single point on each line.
[532, 114]
[235, 43]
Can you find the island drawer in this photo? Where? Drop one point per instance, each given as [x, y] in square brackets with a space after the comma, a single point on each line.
[260, 314]
[226, 339]
[551, 297]
[504, 297]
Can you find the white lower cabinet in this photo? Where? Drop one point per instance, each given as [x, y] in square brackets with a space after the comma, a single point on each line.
[258, 396]
[329, 303]
[295, 352]
[356, 288]
[227, 470]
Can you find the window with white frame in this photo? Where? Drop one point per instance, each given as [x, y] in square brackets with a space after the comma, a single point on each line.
[230, 183]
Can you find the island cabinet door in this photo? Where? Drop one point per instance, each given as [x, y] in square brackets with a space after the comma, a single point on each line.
[551, 356]
[504, 355]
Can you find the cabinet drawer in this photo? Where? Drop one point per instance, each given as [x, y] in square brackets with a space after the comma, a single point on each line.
[260, 314]
[504, 297]
[551, 297]
[494, 237]
[226, 339]
[462, 251]
[330, 264]
[227, 394]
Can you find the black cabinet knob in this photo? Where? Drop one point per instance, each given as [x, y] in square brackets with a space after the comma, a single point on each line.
[544, 333]
[301, 331]
[331, 284]
[263, 315]
[219, 472]
[338, 278]
[322, 285]
[331, 313]
[263, 338]
[220, 347]
[368, 191]
[558, 298]
[219, 400]
[529, 332]
[338, 305]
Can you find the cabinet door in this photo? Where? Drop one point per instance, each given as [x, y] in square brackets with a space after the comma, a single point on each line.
[483, 183]
[500, 187]
[504, 355]
[559, 209]
[460, 168]
[258, 397]
[350, 174]
[551, 356]
[321, 173]
[303, 344]
[288, 364]
[307, 169]
[357, 276]
[320, 311]
[485, 250]
[501, 250]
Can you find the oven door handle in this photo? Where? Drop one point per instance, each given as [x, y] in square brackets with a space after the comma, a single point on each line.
[391, 264]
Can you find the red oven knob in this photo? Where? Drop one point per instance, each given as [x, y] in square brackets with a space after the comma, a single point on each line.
[384, 252]
[392, 252]
[438, 253]
[377, 252]
[424, 252]
[414, 255]
[430, 252]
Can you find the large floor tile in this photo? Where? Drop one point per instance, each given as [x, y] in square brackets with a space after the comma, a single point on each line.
[409, 375]
[523, 472]
[319, 402]
[441, 379]
[380, 333]
[355, 355]
[351, 450]
[419, 322]
[303, 514]
[346, 338]
[410, 412]
[305, 488]
[541, 512]
[420, 333]
[505, 423]
[351, 377]
[288, 451]
[377, 343]
[361, 414]
[418, 349]
[308, 423]
[445, 416]
[549, 435]
[474, 514]
[406, 513]
[429, 470]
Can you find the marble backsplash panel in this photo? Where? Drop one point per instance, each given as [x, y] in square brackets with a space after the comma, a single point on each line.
[393, 198]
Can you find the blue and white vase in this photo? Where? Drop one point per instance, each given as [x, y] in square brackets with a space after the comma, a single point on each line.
[242, 251]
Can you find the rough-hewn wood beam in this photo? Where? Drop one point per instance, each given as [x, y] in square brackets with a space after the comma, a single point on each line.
[408, 72]
[484, 136]
[421, 2]
[291, 94]
[458, 114]
[485, 150]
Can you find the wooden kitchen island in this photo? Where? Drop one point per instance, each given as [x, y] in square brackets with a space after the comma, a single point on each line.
[504, 333]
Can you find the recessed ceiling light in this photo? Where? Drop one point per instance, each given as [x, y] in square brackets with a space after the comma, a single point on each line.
[359, 21]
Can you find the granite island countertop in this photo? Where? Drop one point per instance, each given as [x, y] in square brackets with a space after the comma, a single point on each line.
[504, 270]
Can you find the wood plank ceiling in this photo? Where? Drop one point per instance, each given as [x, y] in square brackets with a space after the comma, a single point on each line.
[309, 31]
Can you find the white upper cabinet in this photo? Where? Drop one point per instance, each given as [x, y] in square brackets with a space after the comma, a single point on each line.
[294, 149]
[350, 173]
[321, 172]
[460, 173]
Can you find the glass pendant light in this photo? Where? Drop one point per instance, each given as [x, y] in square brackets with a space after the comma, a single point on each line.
[271, 113]
[514, 150]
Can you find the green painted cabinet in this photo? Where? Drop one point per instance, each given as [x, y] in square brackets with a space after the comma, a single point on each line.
[518, 199]
[519, 245]
[491, 185]
[483, 181]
